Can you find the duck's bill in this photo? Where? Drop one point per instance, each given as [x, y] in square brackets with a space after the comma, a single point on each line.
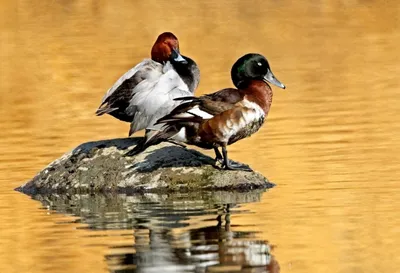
[271, 79]
[177, 57]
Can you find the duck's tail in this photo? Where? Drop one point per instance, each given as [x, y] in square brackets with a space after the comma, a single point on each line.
[153, 138]
[105, 108]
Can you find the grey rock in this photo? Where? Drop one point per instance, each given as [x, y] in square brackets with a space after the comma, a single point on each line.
[102, 167]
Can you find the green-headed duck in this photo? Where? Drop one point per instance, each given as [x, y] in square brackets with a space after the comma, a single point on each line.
[219, 119]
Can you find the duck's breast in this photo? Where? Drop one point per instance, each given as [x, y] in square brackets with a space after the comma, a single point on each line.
[248, 119]
[232, 125]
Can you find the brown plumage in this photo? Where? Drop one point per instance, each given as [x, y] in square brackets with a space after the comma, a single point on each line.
[219, 119]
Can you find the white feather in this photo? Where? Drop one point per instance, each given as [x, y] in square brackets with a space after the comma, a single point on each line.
[184, 115]
[194, 112]
[258, 111]
[181, 135]
[198, 112]
[254, 115]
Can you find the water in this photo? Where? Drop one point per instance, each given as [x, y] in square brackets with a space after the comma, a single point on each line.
[330, 142]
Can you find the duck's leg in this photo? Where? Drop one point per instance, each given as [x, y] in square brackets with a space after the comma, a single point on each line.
[229, 166]
[218, 156]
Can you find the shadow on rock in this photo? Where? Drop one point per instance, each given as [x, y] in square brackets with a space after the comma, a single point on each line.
[172, 156]
[118, 143]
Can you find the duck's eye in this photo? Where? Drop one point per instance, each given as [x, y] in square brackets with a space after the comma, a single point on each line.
[259, 64]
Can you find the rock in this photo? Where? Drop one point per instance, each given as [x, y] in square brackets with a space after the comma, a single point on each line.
[102, 167]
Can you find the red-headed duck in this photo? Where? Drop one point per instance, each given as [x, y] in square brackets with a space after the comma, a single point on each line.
[146, 92]
[219, 119]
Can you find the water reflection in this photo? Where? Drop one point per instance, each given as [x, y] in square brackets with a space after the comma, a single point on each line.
[174, 232]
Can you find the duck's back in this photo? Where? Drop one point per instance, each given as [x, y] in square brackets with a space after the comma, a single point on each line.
[147, 92]
[116, 101]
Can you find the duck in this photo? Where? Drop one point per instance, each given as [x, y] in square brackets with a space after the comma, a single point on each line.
[219, 119]
[145, 93]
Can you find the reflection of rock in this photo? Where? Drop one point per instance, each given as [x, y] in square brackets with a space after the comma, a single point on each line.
[172, 232]
[120, 211]
[101, 166]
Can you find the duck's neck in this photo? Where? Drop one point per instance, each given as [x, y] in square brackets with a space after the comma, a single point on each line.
[260, 93]
[189, 73]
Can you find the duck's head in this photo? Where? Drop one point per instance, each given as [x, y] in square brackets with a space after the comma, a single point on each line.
[250, 67]
[166, 48]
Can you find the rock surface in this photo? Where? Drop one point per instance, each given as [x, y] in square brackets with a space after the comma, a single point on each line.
[102, 167]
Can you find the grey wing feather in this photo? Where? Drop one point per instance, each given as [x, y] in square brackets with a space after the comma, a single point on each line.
[145, 120]
[154, 98]
[148, 68]
[117, 99]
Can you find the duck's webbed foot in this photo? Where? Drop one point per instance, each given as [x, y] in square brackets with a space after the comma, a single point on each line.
[237, 167]
[229, 165]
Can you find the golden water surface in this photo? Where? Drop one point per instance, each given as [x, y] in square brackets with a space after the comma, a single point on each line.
[330, 143]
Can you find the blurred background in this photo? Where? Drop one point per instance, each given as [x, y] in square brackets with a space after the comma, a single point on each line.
[330, 142]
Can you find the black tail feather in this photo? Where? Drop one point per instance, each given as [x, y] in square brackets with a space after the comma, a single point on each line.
[179, 110]
[140, 147]
[186, 98]
[105, 109]
[101, 111]
[146, 142]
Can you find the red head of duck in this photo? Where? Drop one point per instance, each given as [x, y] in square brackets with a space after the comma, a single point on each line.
[166, 48]
[145, 93]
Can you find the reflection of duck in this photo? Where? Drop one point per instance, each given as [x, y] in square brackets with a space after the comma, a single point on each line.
[222, 118]
[206, 249]
[171, 233]
[145, 93]
[228, 251]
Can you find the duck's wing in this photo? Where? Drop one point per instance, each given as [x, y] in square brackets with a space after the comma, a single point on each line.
[227, 95]
[147, 107]
[204, 107]
[119, 95]
[190, 113]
